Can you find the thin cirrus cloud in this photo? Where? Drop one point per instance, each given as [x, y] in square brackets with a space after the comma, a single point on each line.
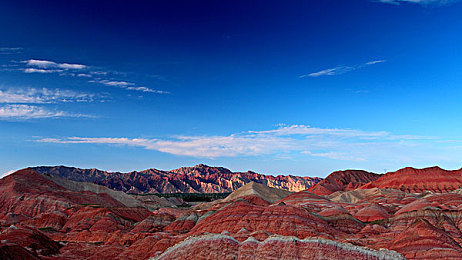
[43, 96]
[44, 65]
[34, 70]
[24, 112]
[113, 83]
[341, 69]
[10, 50]
[295, 140]
[19, 103]
[93, 74]
[129, 86]
[149, 90]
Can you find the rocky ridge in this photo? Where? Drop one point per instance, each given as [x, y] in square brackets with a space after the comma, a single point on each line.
[218, 246]
[41, 219]
[198, 179]
[343, 181]
[413, 180]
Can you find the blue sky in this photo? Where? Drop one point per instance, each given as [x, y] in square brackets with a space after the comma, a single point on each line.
[304, 87]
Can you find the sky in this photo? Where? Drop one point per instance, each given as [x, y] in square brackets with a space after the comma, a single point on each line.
[300, 87]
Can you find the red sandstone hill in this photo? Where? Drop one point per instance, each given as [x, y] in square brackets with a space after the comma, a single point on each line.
[219, 246]
[414, 180]
[343, 181]
[198, 179]
[27, 193]
[47, 217]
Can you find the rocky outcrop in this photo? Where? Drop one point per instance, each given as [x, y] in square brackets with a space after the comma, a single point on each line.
[432, 242]
[9, 251]
[49, 217]
[413, 180]
[217, 246]
[198, 179]
[35, 241]
[30, 194]
[343, 181]
[122, 197]
[266, 193]
[275, 219]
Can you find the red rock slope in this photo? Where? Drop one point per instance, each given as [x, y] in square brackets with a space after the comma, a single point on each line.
[414, 180]
[276, 247]
[42, 219]
[198, 179]
[343, 181]
[27, 193]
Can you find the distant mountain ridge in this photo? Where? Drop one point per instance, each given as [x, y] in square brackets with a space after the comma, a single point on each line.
[198, 179]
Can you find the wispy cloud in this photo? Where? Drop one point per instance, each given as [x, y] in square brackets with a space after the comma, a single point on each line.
[46, 64]
[91, 73]
[341, 69]
[129, 86]
[294, 140]
[114, 83]
[34, 70]
[23, 112]
[421, 2]
[10, 50]
[145, 89]
[43, 95]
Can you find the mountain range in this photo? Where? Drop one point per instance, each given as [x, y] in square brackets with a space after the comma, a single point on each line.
[352, 214]
[198, 179]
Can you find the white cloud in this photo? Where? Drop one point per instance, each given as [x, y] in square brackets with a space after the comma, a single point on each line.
[41, 63]
[330, 72]
[114, 83]
[33, 70]
[295, 140]
[10, 50]
[85, 75]
[374, 62]
[80, 70]
[341, 69]
[145, 89]
[43, 95]
[71, 66]
[22, 112]
[335, 156]
[129, 86]
[46, 66]
[99, 73]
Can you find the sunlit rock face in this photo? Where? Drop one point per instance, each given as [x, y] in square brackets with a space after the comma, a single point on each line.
[276, 247]
[343, 181]
[198, 179]
[413, 180]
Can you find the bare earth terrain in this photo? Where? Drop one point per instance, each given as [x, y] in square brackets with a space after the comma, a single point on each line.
[50, 213]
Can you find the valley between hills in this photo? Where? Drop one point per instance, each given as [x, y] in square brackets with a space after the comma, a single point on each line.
[205, 212]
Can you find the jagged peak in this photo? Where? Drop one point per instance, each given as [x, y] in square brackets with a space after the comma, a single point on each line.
[201, 165]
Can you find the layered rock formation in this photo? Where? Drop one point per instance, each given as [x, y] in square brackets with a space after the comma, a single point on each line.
[198, 179]
[48, 217]
[343, 181]
[266, 193]
[409, 179]
[276, 247]
[29, 194]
